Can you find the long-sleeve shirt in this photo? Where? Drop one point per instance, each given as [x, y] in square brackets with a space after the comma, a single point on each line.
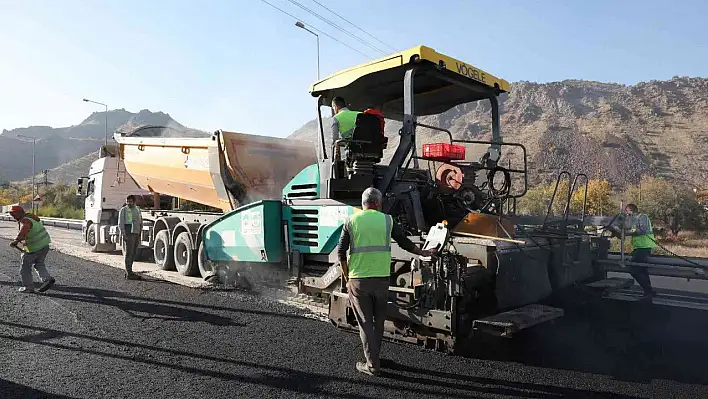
[396, 233]
[334, 127]
[640, 226]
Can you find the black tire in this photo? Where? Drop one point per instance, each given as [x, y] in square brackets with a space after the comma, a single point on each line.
[141, 255]
[144, 255]
[162, 251]
[185, 256]
[92, 237]
[206, 269]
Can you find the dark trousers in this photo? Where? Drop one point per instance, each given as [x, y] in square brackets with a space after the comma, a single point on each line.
[131, 242]
[641, 274]
[369, 298]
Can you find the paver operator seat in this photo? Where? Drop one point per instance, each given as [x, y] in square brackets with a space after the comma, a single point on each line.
[366, 147]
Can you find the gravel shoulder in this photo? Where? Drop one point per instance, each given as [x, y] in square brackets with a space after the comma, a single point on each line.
[96, 335]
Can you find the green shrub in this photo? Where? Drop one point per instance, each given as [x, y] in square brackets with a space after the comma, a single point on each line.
[64, 212]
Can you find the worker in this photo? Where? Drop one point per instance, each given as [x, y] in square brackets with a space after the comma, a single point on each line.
[343, 122]
[37, 240]
[130, 224]
[643, 241]
[367, 235]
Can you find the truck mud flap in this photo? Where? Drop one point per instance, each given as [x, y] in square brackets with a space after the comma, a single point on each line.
[508, 323]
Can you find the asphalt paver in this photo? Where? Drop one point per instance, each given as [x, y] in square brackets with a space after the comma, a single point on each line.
[97, 335]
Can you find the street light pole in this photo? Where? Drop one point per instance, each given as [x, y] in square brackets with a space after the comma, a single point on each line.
[33, 166]
[106, 106]
[302, 26]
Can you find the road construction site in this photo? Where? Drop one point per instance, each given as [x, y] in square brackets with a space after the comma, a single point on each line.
[96, 335]
[273, 318]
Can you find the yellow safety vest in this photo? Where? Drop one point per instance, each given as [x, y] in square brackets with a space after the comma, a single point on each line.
[347, 122]
[370, 249]
[37, 238]
[646, 240]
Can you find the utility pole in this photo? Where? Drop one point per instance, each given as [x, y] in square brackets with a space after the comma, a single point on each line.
[33, 165]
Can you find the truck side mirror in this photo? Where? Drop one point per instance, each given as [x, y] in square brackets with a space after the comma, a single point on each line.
[80, 186]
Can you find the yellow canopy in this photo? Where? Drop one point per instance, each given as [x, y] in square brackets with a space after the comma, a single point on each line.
[440, 83]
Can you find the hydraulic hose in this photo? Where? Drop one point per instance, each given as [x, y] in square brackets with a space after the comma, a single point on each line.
[660, 246]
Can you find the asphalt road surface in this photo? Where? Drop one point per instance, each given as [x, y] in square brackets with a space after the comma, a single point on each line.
[96, 335]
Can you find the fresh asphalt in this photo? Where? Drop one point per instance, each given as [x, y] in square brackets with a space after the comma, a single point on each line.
[96, 335]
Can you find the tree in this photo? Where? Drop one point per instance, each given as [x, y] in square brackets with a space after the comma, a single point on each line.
[599, 198]
[674, 206]
[534, 202]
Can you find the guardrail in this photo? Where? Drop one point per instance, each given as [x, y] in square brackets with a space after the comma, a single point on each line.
[72, 224]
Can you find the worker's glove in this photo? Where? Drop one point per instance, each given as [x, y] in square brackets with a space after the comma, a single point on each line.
[615, 231]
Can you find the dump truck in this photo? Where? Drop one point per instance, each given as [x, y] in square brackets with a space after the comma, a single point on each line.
[489, 276]
[181, 184]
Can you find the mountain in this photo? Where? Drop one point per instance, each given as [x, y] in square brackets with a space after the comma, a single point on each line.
[618, 132]
[63, 146]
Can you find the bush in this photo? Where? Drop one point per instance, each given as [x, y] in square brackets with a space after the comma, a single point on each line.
[65, 212]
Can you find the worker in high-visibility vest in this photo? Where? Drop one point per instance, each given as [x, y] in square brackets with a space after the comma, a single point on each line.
[37, 240]
[130, 225]
[643, 241]
[367, 235]
[343, 123]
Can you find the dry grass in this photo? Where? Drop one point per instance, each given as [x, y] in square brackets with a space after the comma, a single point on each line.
[681, 250]
[687, 243]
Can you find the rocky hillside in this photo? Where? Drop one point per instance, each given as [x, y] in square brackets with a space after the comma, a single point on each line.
[608, 130]
[64, 146]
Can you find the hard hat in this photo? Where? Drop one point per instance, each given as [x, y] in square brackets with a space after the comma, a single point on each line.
[16, 209]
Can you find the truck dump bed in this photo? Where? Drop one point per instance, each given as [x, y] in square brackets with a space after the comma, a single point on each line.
[221, 171]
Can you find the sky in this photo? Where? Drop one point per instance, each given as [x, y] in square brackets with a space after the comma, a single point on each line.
[241, 65]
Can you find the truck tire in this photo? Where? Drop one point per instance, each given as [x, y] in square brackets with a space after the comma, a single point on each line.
[92, 237]
[205, 268]
[144, 255]
[185, 256]
[163, 253]
[141, 255]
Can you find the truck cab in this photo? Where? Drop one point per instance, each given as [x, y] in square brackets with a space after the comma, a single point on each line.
[106, 187]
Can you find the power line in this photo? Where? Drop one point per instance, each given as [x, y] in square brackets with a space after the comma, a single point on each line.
[317, 30]
[346, 32]
[352, 24]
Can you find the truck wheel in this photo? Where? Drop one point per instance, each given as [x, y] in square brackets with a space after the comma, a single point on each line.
[92, 237]
[185, 256]
[205, 268]
[164, 256]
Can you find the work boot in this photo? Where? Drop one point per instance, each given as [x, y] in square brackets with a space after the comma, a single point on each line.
[26, 290]
[132, 276]
[364, 368]
[47, 285]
